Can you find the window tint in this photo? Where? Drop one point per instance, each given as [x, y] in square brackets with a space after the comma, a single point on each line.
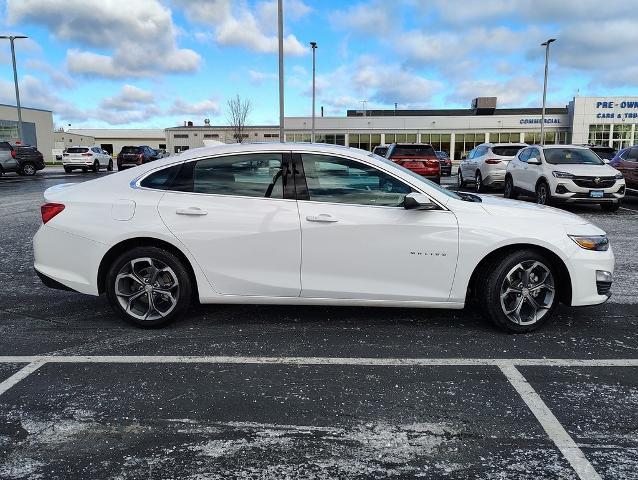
[571, 156]
[508, 151]
[131, 150]
[524, 155]
[631, 154]
[340, 180]
[479, 152]
[161, 179]
[534, 153]
[250, 175]
[407, 150]
[77, 150]
[5, 146]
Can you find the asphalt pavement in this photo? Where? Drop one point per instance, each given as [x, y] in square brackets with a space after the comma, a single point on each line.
[309, 392]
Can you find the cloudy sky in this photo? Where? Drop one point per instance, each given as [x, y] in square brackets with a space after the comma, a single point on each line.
[156, 63]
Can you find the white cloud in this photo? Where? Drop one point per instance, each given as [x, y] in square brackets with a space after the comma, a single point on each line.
[366, 18]
[205, 107]
[515, 91]
[237, 25]
[140, 35]
[258, 78]
[128, 98]
[57, 76]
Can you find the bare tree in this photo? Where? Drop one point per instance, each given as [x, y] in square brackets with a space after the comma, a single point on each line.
[238, 111]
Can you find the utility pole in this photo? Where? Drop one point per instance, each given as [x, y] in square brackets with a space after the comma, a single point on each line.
[11, 39]
[280, 34]
[313, 45]
[363, 105]
[546, 45]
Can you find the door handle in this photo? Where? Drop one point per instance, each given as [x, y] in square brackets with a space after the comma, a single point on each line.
[191, 211]
[322, 217]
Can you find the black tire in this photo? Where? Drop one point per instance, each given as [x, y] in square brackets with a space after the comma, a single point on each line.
[67, 170]
[543, 193]
[96, 166]
[28, 169]
[84, 169]
[610, 207]
[109, 168]
[459, 180]
[491, 283]
[478, 182]
[509, 191]
[182, 290]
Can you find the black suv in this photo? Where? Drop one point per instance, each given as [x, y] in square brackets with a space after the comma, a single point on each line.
[133, 156]
[19, 158]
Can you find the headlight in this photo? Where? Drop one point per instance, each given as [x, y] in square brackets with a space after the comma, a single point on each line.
[591, 242]
[619, 176]
[562, 175]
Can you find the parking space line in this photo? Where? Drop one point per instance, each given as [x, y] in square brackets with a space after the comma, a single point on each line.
[20, 375]
[390, 362]
[550, 424]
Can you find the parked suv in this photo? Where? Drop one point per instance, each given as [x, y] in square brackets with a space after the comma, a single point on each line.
[485, 165]
[418, 157]
[446, 163]
[564, 173]
[131, 156]
[22, 159]
[626, 161]
[606, 153]
[380, 150]
[85, 158]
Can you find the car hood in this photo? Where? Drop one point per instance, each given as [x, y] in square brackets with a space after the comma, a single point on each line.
[507, 208]
[586, 170]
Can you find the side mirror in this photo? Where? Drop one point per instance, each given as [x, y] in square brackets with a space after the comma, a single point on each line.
[606, 160]
[534, 161]
[418, 201]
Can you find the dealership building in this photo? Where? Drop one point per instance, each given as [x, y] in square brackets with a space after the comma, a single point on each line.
[37, 127]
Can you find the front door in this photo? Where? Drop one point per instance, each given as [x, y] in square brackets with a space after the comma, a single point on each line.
[232, 216]
[358, 242]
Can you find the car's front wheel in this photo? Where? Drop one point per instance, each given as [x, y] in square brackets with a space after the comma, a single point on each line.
[543, 195]
[508, 190]
[149, 287]
[28, 169]
[519, 292]
[67, 170]
[96, 166]
[459, 179]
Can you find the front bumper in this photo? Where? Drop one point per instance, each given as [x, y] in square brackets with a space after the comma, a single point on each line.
[588, 287]
[567, 191]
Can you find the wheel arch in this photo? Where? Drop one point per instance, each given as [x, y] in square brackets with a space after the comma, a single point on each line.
[564, 280]
[541, 179]
[121, 247]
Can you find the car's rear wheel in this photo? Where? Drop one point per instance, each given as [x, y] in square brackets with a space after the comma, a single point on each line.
[610, 207]
[518, 293]
[28, 169]
[149, 287]
[508, 190]
[109, 168]
[543, 195]
[478, 182]
[459, 180]
[68, 170]
[96, 166]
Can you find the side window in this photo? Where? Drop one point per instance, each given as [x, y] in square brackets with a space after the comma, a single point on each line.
[250, 175]
[524, 155]
[4, 146]
[534, 153]
[340, 180]
[632, 155]
[479, 152]
[161, 179]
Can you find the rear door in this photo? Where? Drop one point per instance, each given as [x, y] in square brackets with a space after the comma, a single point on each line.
[358, 241]
[238, 217]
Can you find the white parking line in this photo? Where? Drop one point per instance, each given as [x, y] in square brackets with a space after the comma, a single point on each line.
[550, 424]
[541, 411]
[19, 375]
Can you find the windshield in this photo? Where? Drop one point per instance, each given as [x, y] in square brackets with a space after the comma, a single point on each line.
[507, 151]
[571, 156]
[413, 151]
[439, 188]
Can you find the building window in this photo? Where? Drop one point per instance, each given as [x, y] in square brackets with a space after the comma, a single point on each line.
[400, 138]
[211, 135]
[551, 137]
[621, 136]
[599, 134]
[271, 135]
[505, 137]
[181, 135]
[178, 148]
[464, 142]
[298, 137]
[364, 141]
[162, 146]
[439, 141]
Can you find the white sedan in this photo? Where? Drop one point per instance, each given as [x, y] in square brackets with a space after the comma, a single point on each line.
[313, 225]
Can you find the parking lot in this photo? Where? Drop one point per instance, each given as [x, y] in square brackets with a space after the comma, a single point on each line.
[309, 392]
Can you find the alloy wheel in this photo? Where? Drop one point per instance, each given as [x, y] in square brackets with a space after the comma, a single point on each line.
[507, 191]
[478, 183]
[541, 194]
[527, 292]
[28, 169]
[147, 289]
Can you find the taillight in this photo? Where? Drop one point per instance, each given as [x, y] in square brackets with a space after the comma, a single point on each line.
[13, 154]
[492, 161]
[50, 210]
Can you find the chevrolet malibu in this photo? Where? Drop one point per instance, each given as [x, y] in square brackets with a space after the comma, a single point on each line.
[304, 224]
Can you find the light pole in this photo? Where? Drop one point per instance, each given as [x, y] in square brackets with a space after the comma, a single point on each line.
[11, 39]
[280, 34]
[546, 45]
[363, 105]
[313, 45]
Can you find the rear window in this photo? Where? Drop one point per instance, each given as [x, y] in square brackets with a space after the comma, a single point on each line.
[413, 151]
[131, 150]
[76, 150]
[507, 151]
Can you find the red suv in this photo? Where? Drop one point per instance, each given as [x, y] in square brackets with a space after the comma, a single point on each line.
[627, 162]
[418, 157]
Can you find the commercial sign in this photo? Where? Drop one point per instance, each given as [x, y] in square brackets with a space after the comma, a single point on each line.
[617, 105]
[526, 121]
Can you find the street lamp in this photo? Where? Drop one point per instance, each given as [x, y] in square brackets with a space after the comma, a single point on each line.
[11, 39]
[313, 45]
[546, 45]
[280, 35]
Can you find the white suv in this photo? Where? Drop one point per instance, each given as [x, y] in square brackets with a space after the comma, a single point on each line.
[485, 165]
[85, 158]
[564, 173]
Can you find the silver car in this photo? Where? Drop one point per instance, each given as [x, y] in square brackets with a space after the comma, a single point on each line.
[485, 165]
